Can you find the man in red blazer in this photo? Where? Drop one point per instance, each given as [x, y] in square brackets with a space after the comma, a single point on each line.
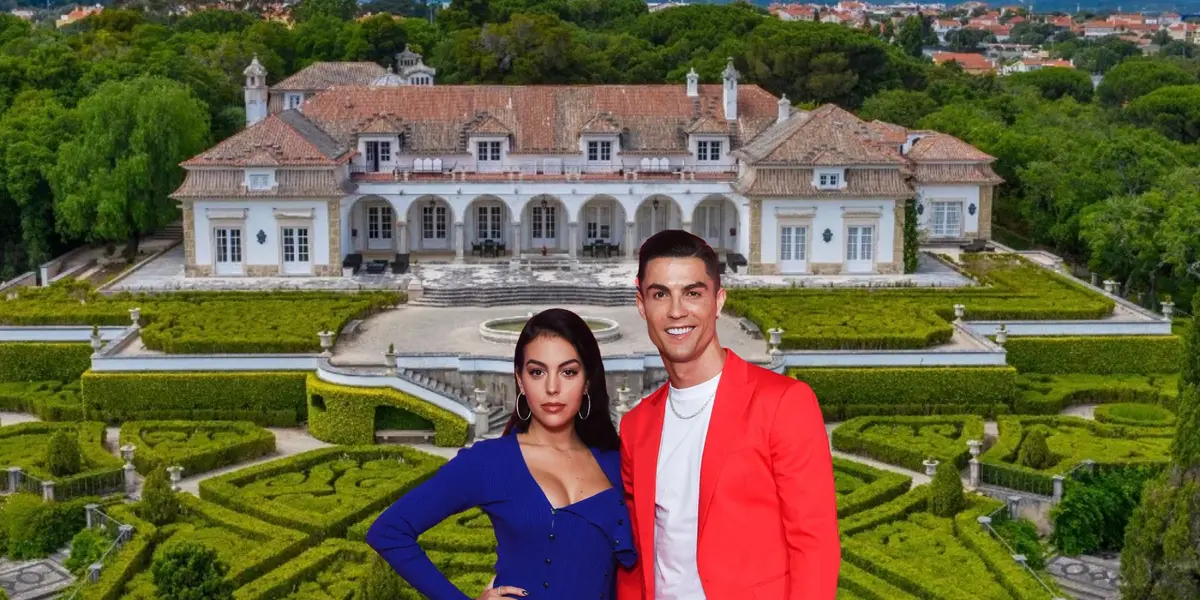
[727, 469]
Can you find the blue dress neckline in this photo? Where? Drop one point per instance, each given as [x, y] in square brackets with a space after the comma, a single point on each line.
[516, 443]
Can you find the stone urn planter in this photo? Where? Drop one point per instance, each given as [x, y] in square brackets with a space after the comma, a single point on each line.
[135, 315]
[930, 467]
[326, 342]
[775, 338]
[1002, 334]
[95, 339]
[389, 360]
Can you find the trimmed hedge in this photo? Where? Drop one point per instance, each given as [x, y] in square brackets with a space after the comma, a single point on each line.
[854, 582]
[341, 414]
[1137, 415]
[850, 392]
[201, 322]
[912, 318]
[908, 441]
[275, 545]
[1050, 394]
[1011, 576]
[284, 580]
[37, 361]
[130, 559]
[23, 445]
[879, 486]
[1071, 440]
[271, 398]
[1097, 355]
[915, 500]
[49, 400]
[327, 479]
[33, 528]
[197, 446]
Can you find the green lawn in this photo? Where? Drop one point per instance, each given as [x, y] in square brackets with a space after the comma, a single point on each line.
[910, 318]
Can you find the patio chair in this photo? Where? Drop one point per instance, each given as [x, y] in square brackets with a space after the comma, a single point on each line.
[489, 247]
[500, 249]
[352, 261]
[477, 249]
[976, 245]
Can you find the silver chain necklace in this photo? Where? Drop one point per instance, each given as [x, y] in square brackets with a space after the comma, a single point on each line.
[671, 402]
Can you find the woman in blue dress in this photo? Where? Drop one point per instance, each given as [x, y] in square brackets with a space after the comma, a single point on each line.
[551, 484]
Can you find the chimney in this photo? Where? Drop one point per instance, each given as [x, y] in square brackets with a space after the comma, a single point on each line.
[255, 92]
[785, 109]
[693, 84]
[730, 90]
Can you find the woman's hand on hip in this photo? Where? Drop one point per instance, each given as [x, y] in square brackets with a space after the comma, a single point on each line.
[502, 592]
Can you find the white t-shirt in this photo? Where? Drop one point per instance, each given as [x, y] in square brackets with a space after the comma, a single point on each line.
[677, 494]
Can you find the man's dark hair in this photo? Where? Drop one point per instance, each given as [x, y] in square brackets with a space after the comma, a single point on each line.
[677, 243]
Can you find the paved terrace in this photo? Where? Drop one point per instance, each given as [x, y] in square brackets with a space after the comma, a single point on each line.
[166, 274]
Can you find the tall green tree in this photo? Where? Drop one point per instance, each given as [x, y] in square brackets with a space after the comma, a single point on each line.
[191, 571]
[1161, 558]
[1133, 79]
[338, 9]
[30, 133]
[912, 38]
[1173, 110]
[902, 107]
[112, 181]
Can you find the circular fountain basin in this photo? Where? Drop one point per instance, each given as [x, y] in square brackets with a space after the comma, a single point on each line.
[506, 330]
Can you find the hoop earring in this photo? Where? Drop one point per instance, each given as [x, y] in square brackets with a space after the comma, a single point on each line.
[583, 417]
[521, 396]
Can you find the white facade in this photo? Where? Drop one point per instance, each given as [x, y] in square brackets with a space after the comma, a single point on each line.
[948, 211]
[226, 235]
[861, 235]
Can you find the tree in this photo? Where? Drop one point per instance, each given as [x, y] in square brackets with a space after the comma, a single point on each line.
[1055, 82]
[1034, 453]
[63, 456]
[1161, 558]
[377, 38]
[966, 40]
[30, 134]
[191, 571]
[112, 181]
[912, 38]
[902, 107]
[1121, 235]
[1173, 110]
[912, 240]
[343, 10]
[159, 503]
[528, 49]
[1133, 79]
[946, 497]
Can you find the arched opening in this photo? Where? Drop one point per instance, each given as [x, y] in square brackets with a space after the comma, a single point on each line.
[486, 228]
[430, 226]
[372, 228]
[657, 213]
[716, 220]
[392, 418]
[544, 225]
[601, 226]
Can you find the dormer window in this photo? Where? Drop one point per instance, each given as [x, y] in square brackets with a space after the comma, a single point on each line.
[259, 180]
[488, 151]
[708, 150]
[599, 151]
[291, 101]
[829, 179]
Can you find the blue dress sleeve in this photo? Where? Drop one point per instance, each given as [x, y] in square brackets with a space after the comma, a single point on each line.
[455, 487]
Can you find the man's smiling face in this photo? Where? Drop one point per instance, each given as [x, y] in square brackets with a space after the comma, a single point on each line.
[680, 303]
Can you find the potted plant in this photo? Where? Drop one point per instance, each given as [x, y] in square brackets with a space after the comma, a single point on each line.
[543, 250]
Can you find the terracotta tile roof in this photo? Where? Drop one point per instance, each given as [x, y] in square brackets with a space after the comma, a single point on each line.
[324, 75]
[940, 147]
[887, 133]
[976, 173]
[488, 125]
[860, 183]
[284, 138]
[291, 183]
[384, 123]
[709, 125]
[601, 124]
[542, 119]
[969, 61]
[826, 136]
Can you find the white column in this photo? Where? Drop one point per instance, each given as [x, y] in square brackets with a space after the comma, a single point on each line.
[516, 238]
[573, 238]
[458, 240]
[743, 228]
[402, 233]
[630, 239]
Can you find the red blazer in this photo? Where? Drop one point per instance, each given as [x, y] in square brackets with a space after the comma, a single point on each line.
[768, 514]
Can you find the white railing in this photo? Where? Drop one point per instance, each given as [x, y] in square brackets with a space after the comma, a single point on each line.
[343, 376]
[1072, 327]
[56, 333]
[205, 362]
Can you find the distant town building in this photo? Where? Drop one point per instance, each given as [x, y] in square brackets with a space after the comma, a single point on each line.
[78, 14]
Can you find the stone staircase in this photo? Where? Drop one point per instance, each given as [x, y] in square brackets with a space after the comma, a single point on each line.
[1086, 577]
[527, 294]
[174, 231]
[435, 385]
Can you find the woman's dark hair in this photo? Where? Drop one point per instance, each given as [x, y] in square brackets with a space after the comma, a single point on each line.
[597, 431]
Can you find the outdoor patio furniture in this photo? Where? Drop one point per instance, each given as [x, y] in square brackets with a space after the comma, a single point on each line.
[400, 265]
[735, 260]
[489, 247]
[377, 267]
[500, 249]
[477, 249]
[977, 245]
[352, 261]
[589, 248]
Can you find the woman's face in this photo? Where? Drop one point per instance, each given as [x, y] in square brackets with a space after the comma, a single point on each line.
[552, 380]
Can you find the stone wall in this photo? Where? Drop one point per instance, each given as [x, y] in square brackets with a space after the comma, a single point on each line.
[986, 194]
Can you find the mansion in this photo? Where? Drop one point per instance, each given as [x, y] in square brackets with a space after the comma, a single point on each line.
[344, 163]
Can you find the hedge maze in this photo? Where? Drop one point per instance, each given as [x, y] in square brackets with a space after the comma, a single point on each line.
[197, 446]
